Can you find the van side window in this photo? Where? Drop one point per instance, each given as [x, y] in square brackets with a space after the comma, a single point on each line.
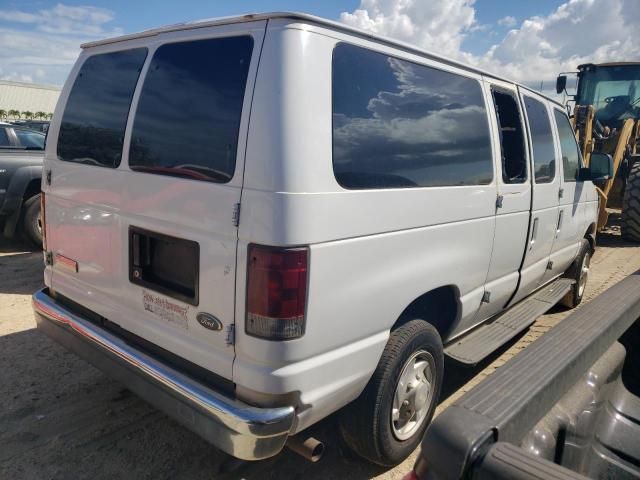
[94, 119]
[514, 162]
[188, 117]
[544, 155]
[398, 124]
[568, 147]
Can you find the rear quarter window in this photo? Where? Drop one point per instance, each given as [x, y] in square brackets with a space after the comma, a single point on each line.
[400, 124]
[95, 116]
[188, 117]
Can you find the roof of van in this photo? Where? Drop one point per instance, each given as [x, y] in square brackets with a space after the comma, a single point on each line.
[251, 17]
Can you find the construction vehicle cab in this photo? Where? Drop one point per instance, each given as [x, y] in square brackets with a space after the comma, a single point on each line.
[606, 118]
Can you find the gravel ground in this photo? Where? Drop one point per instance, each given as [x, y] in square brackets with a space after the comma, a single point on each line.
[61, 418]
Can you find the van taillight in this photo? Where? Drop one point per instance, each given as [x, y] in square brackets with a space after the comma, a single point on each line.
[43, 222]
[276, 292]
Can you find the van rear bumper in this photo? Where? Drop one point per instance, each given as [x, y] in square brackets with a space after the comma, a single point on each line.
[238, 429]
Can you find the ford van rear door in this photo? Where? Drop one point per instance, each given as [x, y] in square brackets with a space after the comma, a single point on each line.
[145, 187]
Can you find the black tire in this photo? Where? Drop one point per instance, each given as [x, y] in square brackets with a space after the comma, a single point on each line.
[576, 272]
[630, 222]
[366, 424]
[31, 221]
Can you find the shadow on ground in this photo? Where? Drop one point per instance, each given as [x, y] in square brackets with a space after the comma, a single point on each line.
[21, 268]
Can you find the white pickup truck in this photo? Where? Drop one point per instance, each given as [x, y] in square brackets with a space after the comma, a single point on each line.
[253, 222]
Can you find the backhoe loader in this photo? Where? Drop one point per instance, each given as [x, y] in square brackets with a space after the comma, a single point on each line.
[606, 119]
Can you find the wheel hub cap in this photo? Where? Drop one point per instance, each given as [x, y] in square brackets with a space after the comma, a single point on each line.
[584, 273]
[413, 395]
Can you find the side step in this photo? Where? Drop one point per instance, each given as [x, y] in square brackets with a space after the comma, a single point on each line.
[479, 343]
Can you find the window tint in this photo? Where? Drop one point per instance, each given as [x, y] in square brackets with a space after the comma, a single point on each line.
[30, 140]
[93, 123]
[514, 162]
[4, 138]
[544, 155]
[568, 146]
[188, 118]
[399, 124]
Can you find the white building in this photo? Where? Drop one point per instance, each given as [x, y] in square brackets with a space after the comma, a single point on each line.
[28, 97]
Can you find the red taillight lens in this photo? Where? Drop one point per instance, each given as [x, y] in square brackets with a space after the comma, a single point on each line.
[276, 292]
[43, 222]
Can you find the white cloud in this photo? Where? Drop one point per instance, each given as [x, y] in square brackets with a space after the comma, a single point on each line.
[578, 31]
[441, 25]
[508, 21]
[45, 44]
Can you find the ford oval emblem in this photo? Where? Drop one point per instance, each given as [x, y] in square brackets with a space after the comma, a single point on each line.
[208, 321]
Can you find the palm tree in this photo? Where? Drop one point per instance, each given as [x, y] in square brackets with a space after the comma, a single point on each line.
[28, 115]
[3, 114]
[14, 113]
[49, 116]
[40, 115]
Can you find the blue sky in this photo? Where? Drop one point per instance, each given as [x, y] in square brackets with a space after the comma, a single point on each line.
[134, 16]
[528, 40]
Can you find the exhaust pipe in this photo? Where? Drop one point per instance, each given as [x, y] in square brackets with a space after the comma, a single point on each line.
[309, 447]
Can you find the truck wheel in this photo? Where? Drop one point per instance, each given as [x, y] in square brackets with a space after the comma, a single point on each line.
[387, 421]
[32, 221]
[631, 205]
[578, 271]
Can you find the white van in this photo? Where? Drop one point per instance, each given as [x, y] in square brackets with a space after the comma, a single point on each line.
[253, 222]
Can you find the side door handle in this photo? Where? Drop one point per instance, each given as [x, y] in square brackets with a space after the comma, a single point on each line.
[534, 231]
[560, 217]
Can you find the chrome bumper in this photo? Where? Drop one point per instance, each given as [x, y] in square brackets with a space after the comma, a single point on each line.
[241, 430]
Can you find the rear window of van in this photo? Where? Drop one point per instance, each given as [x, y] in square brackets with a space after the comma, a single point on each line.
[398, 124]
[188, 117]
[95, 116]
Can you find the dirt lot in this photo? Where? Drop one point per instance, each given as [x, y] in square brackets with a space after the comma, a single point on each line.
[61, 418]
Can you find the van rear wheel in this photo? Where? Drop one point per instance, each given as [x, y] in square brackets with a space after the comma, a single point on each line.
[387, 421]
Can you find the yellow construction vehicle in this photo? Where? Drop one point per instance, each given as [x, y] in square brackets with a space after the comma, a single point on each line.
[606, 119]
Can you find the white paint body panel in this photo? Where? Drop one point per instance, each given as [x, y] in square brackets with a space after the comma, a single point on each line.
[372, 252]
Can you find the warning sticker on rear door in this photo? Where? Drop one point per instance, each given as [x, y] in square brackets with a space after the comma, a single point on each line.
[173, 313]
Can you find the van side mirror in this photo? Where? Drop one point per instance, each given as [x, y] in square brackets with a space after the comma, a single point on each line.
[601, 167]
[561, 83]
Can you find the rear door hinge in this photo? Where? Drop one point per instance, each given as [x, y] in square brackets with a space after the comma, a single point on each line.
[48, 177]
[231, 335]
[499, 201]
[236, 214]
[486, 298]
[48, 258]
